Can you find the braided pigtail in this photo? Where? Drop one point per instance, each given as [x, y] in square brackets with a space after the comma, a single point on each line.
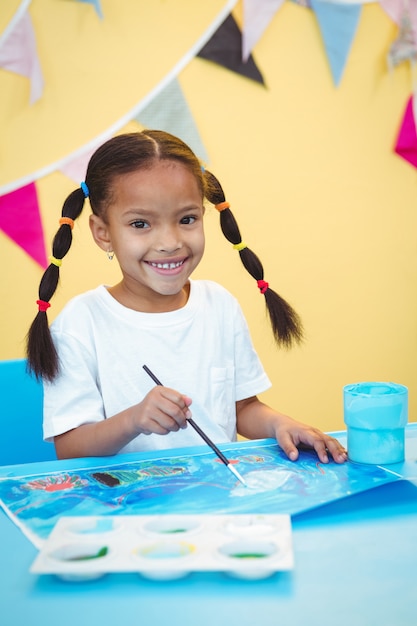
[286, 324]
[41, 353]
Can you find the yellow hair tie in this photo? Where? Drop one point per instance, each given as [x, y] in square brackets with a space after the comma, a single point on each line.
[54, 261]
[240, 246]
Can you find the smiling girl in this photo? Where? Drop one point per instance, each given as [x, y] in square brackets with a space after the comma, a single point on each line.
[147, 192]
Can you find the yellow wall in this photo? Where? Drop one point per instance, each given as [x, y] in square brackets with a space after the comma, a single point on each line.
[320, 196]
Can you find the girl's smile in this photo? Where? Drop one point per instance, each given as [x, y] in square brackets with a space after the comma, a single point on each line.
[154, 225]
[167, 267]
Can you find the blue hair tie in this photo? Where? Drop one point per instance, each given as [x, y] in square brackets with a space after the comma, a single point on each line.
[85, 189]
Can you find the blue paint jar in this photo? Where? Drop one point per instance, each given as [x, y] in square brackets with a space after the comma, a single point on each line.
[375, 414]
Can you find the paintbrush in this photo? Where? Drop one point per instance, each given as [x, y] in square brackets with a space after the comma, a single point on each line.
[203, 435]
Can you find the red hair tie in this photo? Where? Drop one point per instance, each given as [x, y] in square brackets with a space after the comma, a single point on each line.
[263, 285]
[43, 306]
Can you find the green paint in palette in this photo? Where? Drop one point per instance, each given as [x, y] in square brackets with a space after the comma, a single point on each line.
[89, 557]
[249, 555]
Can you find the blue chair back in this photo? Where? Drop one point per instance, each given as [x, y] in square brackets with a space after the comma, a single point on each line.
[21, 411]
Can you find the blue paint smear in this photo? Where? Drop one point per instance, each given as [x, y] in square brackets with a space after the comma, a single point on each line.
[187, 484]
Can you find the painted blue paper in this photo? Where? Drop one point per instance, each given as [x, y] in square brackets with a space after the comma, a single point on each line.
[184, 482]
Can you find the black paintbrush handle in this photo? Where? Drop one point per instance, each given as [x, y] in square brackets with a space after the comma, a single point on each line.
[192, 422]
[152, 375]
[208, 441]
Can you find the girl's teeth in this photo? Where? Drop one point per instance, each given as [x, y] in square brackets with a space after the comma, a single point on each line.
[166, 266]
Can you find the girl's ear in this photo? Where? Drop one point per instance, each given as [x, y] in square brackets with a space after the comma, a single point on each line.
[100, 232]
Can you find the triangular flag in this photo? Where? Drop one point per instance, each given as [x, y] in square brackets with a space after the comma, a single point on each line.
[225, 48]
[96, 4]
[395, 9]
[404, 48]
[256, 16]
[77, 167]
[21, 221]
[406, 145]
[169, 111]
[338, 23]
[18, 54]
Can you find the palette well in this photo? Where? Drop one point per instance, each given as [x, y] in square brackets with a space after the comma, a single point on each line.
[165, 547]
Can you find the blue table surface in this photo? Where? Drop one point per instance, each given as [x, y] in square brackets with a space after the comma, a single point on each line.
[355, 563]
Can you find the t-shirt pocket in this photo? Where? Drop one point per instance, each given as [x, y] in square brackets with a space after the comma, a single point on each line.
[222, 385]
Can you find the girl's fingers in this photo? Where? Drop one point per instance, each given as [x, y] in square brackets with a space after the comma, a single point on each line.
[324, 445]
[168, 409]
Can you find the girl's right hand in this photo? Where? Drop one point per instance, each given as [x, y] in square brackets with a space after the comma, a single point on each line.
[163, 410]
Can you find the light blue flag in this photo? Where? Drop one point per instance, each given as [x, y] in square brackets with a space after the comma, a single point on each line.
[96, 4]
[169, 111]
[338, 23]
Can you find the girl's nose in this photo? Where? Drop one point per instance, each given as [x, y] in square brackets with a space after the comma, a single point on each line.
[169, 241]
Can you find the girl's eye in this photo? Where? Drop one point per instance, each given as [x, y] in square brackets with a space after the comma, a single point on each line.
[139, 224]
[189, 219]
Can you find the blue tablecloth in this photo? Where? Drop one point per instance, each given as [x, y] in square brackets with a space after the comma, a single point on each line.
[355, 563]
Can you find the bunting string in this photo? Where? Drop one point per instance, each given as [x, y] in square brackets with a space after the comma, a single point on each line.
[224, 43]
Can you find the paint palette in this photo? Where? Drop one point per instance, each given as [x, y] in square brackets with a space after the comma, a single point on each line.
[166, 547]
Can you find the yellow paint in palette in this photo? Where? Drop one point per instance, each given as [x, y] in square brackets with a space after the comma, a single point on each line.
[167, 550]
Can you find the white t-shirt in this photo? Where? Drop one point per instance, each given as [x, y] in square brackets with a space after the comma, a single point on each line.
[202, 350]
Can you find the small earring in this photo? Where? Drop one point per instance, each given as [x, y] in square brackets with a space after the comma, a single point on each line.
[110, 255]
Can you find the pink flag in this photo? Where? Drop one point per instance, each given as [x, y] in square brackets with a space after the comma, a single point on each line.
[396, 8]
[77, 167]
[256, 16]
[404, 48]
[406, 145]
[18, 54]
[20, 220]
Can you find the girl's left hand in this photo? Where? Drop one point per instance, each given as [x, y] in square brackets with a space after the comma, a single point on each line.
[291, 434]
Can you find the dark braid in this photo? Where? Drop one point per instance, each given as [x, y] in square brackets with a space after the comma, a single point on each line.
[41, 353]
[285, 322]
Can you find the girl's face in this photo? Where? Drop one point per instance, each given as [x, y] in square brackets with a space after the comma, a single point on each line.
[154, 225]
